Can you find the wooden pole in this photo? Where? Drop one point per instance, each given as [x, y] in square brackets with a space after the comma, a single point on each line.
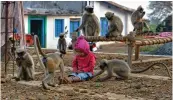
[13, 50]
[23, 25]
[130, 53]
[6, 34]
[137, 52]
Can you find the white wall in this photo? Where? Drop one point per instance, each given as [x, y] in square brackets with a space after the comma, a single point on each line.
[26, 24]
[51, 39]
[130, 26]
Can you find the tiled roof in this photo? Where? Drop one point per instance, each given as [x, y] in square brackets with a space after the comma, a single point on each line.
[120, 6]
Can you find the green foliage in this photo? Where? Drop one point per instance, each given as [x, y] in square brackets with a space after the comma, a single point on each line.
[149, 48]
[97, 84]
[152, 27]
[159, 28]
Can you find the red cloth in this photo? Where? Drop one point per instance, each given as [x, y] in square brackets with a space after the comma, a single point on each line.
[86, 63]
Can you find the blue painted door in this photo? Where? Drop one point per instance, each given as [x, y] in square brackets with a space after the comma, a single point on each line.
[37, 27]
[104, 26]
[73, 26]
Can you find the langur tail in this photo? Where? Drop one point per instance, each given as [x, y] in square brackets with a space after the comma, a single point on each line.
[38, 49]
[140, 71]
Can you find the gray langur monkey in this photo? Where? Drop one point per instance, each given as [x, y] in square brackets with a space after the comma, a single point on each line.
[115, 27]
[50, 62]
[137, 20]
[25, 65]
[62, 44]
[120, 68]
[90, 23]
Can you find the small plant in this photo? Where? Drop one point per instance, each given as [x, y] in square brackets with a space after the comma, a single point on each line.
[98, 84]
[149, 48]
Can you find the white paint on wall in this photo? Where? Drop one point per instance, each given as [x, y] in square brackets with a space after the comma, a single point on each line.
[52, 41]
[26, 24]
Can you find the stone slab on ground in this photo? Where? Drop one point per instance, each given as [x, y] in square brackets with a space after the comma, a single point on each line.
[151, 76]
[31, 83]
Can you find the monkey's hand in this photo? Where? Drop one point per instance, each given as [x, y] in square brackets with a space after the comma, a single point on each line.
[143, 12]
[64, 80]
[93, 79]
[77, 30]
[18, 61]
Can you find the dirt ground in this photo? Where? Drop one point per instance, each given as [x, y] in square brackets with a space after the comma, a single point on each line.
[135, 88]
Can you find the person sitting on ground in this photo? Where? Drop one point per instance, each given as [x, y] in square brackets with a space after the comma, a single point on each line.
[83, 62]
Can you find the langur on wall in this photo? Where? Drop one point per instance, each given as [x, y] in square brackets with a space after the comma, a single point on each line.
[115, 26]
[90, 23]
[138, 21]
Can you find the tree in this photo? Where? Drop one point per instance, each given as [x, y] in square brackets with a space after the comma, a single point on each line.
[160, 10]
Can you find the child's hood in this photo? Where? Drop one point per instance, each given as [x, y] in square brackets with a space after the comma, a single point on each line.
[82, 44]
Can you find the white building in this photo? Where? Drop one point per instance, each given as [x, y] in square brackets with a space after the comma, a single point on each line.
[48, 20]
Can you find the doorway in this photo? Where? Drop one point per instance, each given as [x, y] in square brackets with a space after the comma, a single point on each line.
[37, 26]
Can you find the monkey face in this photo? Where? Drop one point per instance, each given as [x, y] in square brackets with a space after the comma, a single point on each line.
[103, 64]
[101, 67]
[89, 9]
[61, 36]
[20, 54]
[140, 9]
[109, 15]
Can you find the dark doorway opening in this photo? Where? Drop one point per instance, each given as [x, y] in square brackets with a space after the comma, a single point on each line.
[37, 28]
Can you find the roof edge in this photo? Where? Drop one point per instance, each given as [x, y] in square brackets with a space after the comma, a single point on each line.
[120, 6]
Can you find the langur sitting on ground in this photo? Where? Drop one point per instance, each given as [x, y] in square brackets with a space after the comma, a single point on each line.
[62, 44]
[115, 27]
[25, 65]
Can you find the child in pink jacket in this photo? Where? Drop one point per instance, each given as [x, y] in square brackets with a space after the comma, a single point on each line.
[83, 62]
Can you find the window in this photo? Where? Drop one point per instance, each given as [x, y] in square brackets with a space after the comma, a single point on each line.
[104, 26]
[74, 24]
[59, 26]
